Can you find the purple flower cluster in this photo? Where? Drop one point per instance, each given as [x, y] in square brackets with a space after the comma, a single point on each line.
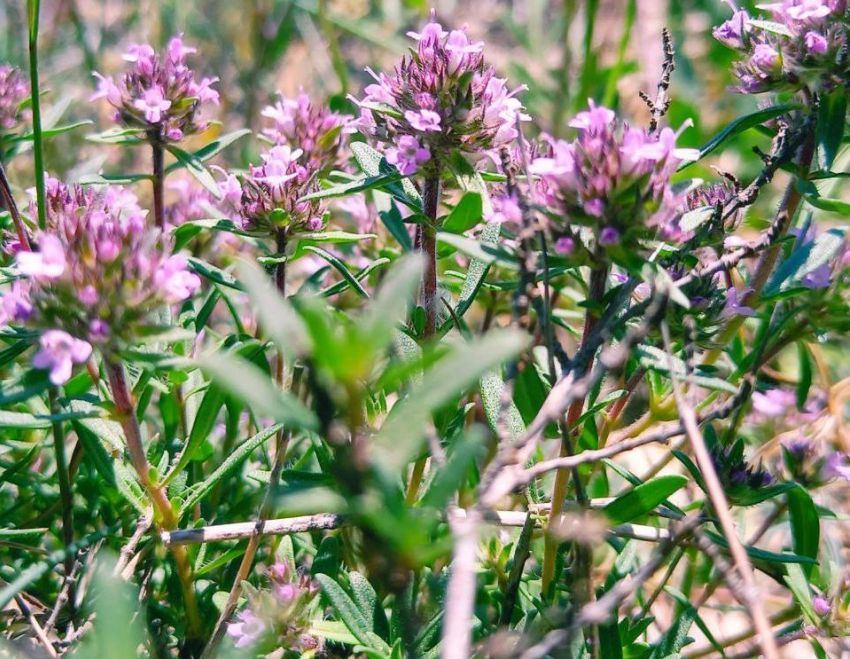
[277, 617]
[318, 132]
[440, 99]
[805, 44]
[812, 463]
[96, 276]
[159, 94]
[13, 91]
[269, 197]
[613, 177]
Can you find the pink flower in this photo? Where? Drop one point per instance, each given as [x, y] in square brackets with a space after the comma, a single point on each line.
[177, 51]
[837, 465]
[821, 605]
[731, 33]
[506, 210]
[818, 278]
[248, 630]
[458, 47]
[106, 88]
[15, 305]
[564, 246]
[408, 156]
[733, 304]
[424, 120]
[59, 352]
[774, 402]
[807, 10]
[175, 280]
[595, 120]
[153, 104]
[159, 92]
[315, 129]
[13, 90]
[445, 96]
[816, 43]
[48, 263]
[765, 57]
[609, 236]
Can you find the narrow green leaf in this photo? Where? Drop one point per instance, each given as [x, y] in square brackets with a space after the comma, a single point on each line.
[465, 215]
[236, 458]
[642, 499]
[742, 124]
[339, 266]
[379, 182]
[832, 114]
[791, 273]
[350, 614]
[401, 436]
[249, 384]
[805, 525]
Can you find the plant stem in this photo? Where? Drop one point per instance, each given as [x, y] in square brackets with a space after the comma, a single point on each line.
[720, 504]
[65, 493]
[158, 181]
[789, 204]
[596, 289]
[8, 201]
[167, 520]
[38, 145]
[430, 203]
[428, 246]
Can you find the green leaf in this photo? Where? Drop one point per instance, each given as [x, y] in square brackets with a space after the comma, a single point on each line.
[365, 597]
[791, 273]
[805, 525]
[276, 316]
[659, 361]
[642, 499]
[798, 584]
[196, 168]
[118, 625]
[466, 215]
[379, 182]
[197, 492]
[202, 426]
[350, 614]
[755, 553]
[212, 149]
[389, 306]
[214, 274]
[333, 630]
[470, 181]
[804, 383]
[832, 114]
[249, 384]
[395, 225]
[742, 124]
[50, 132]
[492, 387]
[401, 436]
[360, 275]
[332, 237]
[829, 205]
[374, 164]
[188, 230]
[339, 266]
[451, 476]
[485, 253]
